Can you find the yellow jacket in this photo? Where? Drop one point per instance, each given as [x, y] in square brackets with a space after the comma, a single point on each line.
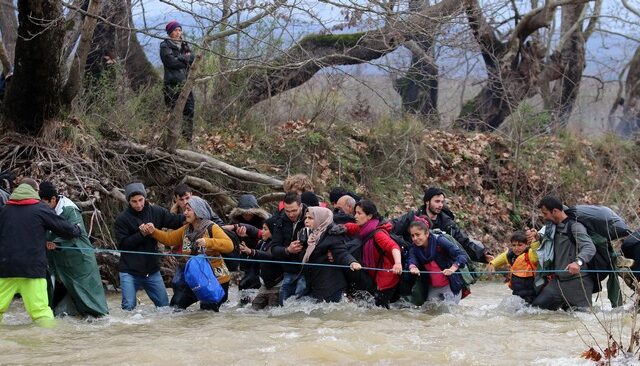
[502, 260]
[219, 244]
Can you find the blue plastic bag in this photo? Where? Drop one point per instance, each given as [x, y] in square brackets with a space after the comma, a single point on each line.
[200, 278]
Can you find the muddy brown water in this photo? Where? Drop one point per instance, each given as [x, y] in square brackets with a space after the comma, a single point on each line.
[490, 327]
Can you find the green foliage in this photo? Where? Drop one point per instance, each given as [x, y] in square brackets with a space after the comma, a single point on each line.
[332, 40]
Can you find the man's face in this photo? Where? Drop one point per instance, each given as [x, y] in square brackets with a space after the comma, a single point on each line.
[548, 215]
[343, 206]
[293, 210]
[53, 202]
[137, 202]
[182, 200]
[436, 204]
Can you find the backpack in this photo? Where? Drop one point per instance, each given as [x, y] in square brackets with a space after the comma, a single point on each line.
[232, 263]
[602, 225]
[200, 278]
[470, 273]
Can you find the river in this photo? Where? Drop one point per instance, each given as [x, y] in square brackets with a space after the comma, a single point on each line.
[490, 327]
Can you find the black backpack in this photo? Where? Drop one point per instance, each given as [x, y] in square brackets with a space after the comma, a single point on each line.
[232, 264]
[603, 260]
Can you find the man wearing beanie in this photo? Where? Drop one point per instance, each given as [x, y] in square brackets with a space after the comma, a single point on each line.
[176, 58]
[443, 219]
[76, 287]
[133, 235]
[24, 222]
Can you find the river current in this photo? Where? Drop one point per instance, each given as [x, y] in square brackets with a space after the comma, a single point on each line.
[490, 327]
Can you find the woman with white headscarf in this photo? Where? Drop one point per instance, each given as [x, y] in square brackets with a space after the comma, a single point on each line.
[325, 283]
[199, 233]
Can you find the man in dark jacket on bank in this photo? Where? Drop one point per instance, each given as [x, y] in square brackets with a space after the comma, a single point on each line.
[132, 235]
[286, 246]
[24, 222]
[176, 58]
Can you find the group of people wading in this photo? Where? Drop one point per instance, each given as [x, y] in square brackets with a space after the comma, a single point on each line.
[306, 249]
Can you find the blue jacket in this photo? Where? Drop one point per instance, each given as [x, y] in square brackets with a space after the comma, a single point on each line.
[444, 253]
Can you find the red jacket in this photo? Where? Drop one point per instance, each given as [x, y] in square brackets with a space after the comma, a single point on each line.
[384, 279]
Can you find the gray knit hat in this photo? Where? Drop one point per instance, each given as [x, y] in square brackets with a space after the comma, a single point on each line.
[133, 189]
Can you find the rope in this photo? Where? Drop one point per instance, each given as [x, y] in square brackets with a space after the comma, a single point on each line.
[100, 250]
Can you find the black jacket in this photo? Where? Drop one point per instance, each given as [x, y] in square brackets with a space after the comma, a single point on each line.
[323, 282]
[271, 273]
[23, 233]
[445, 223]
[176, 62]
[340, 218]
[285, 231]
[129, 238]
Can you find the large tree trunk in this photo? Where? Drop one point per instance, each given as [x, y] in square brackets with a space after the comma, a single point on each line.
[513, 67]
[418, 88]
[33, 96]
[570, 63]
[630, 122]
[121, 42]
[8, 27]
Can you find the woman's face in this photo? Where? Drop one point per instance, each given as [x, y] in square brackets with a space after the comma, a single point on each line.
[309, 221]
[176, 34]
[419, 236]
[361, 217]
[266, 234]
[189, 215]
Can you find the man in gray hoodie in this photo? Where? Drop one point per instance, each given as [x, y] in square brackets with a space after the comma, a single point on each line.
[569, 285]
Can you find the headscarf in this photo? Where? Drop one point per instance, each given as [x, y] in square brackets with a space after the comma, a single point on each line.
[203, 211]
[322, 218]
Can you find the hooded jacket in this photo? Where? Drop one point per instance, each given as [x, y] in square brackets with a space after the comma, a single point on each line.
[24, 222]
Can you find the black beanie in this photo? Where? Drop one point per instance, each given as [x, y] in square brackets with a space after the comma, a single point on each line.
[310, 199]
[430, 192]
[47, 190]
[271, 223]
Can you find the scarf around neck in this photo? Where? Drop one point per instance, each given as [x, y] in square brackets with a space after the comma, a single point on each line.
[368, 250]
[196, 232]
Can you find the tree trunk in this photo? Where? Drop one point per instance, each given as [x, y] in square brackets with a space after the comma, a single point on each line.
[76, 72]
[33, 96]
[630, 122]
[571, 62]
[8, 27]
[418, 89]
[513, 67]
[122, 44]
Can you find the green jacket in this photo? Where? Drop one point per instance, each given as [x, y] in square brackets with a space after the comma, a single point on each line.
[77, 269]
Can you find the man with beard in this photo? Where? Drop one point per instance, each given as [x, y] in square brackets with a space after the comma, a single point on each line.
[442, 218]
